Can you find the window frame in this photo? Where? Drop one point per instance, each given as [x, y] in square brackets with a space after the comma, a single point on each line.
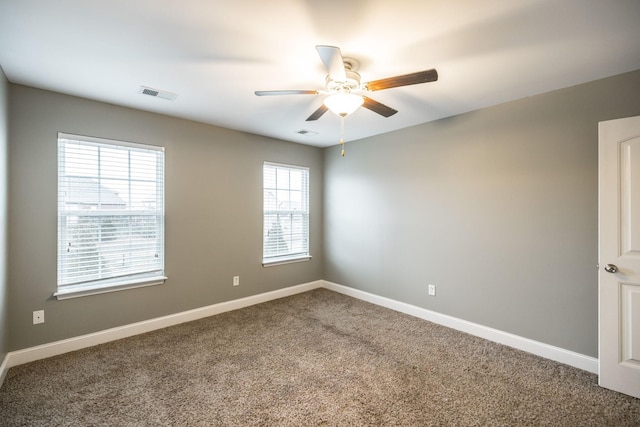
[290, 256]
[119, 280]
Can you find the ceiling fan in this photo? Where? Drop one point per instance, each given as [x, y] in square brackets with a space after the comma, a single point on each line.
[345, 89]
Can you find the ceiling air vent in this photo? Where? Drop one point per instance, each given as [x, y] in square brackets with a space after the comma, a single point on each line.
[307, 132]
[157, 93]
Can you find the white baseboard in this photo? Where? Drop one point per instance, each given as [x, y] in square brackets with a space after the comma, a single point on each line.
[4, 368]
[43, 351]
[547, 351]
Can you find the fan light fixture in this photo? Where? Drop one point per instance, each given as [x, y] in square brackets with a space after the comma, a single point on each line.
[343, 104]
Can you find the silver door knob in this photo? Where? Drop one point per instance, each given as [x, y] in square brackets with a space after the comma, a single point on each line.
[611, 268]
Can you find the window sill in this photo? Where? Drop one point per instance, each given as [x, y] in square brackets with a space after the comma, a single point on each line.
[83, 290]
[284, 260]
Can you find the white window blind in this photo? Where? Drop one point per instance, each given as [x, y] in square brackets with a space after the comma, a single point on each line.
[286, 213]
[110, 214]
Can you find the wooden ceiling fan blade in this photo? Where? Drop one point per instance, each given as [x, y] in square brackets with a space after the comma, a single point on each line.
[332, 59]
[318, 113]
[378, 107]
[285, 92]
[404, 80]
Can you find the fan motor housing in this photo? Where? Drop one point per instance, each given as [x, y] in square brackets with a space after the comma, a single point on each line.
[352, 83]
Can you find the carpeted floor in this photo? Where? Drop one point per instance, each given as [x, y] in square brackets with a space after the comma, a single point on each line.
[318, 358]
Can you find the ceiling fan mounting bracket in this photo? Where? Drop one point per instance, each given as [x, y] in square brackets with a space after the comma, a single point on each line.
[350, 64]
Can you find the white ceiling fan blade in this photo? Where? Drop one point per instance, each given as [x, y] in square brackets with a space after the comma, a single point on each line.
[332, 60]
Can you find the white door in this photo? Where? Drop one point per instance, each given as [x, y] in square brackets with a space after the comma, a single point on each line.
[619, 255]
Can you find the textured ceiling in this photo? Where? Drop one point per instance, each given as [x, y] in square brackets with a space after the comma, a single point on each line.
[215, 54]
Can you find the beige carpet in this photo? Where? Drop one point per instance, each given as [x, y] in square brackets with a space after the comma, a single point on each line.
[318, 358]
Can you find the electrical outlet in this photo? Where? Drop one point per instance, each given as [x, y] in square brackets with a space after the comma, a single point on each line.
[236, 280]
[432, 290]
[38, 317]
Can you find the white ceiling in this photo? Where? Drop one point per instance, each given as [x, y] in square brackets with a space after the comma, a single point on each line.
[215, 53]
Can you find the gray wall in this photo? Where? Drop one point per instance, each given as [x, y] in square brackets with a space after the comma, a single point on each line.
[4, 146]
[497, 208]
[213, 215]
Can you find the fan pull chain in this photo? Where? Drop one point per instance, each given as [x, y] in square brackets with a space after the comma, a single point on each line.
[342, 134]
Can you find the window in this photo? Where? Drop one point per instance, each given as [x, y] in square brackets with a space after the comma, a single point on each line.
[110, 215]
[286, 214]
